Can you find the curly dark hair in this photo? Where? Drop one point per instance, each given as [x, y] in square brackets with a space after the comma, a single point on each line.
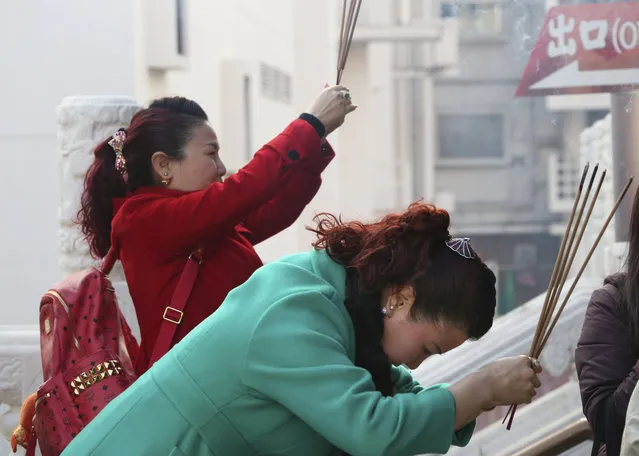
[407, 248]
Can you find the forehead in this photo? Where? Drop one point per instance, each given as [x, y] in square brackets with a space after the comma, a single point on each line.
[204, 135]
[445, 335]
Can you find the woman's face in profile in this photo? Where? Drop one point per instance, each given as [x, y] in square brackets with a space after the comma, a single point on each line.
[410, 341]
[201, 165]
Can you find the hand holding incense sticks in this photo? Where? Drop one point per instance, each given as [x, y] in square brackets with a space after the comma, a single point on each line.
[567, 251]
[349, 19]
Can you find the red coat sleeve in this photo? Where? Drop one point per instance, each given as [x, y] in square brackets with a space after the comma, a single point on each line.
[280, 212]
[606, 365]
[189, 220]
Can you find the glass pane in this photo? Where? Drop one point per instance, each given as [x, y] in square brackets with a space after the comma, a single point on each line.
[471, 136]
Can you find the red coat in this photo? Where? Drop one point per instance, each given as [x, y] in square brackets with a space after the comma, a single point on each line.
[156, 228]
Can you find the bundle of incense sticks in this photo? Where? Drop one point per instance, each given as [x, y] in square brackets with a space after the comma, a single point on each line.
[350, 14]
[568, 249]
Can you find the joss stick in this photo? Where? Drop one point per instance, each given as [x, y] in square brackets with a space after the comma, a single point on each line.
[563, 264]
[347, 30]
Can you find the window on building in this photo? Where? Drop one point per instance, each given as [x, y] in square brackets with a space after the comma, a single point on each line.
[464, 136]
[180, 28]
[474, 18]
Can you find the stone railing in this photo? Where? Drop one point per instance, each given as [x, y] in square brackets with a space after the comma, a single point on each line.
[82, 123]
[20, 374]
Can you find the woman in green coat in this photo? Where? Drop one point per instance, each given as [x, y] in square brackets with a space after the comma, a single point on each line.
[304, 358]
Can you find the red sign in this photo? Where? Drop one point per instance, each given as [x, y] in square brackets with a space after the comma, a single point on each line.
[586, 48]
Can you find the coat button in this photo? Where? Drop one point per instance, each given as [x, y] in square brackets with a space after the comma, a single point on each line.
[293, 155]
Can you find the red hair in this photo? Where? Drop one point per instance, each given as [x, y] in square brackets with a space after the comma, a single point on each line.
[409, 248]
[388, 252]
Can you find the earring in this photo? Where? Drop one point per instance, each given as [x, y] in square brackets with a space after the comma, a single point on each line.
[385, 311]
[166, 179]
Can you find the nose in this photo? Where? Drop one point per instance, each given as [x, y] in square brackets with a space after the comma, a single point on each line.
[221, 169]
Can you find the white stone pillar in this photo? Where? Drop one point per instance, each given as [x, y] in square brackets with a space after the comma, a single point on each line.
[83, 122]
[625, 139]
[596, 147]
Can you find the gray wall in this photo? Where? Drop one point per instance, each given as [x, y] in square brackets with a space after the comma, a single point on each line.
[507, 192]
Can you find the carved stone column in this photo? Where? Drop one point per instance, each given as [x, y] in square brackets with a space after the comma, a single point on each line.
[83, 122]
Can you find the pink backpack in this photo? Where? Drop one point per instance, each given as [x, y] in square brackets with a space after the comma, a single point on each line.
[88, 351]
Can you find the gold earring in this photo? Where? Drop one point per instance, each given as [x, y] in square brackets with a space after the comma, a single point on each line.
[166, 181]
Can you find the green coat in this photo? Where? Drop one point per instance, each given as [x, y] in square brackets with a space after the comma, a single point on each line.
[272, 373]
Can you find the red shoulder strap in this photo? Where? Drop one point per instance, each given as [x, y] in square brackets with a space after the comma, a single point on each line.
[174, 312]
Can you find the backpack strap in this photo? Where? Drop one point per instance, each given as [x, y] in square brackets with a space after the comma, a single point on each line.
[174, 312]
[31, 446]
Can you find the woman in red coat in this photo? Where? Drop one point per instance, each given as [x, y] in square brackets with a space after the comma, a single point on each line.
[162, 178]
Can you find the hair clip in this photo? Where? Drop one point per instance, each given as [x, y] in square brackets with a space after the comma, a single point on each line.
[117, 143]
[461, 246]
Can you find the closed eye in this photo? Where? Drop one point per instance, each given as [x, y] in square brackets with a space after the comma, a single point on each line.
[214, 146]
